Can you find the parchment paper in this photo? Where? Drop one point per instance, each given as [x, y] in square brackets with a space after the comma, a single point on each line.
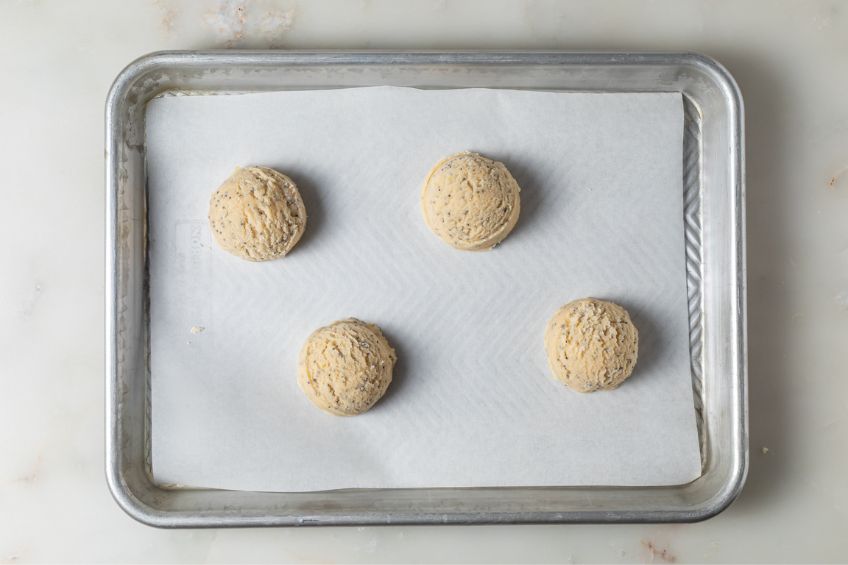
[473, 402]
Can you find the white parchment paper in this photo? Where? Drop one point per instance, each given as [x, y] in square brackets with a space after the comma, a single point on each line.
[473, 402]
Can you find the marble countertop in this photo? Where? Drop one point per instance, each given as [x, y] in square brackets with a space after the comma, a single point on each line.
[57, 61]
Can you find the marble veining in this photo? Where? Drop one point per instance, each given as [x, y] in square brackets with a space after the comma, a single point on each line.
[59, 58]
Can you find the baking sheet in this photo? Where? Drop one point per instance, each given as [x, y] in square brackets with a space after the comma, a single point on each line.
[472, 403]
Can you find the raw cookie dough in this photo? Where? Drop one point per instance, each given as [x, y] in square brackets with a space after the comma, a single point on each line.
[257, 214]
[346, 367]
[470, 202]
[591, 345]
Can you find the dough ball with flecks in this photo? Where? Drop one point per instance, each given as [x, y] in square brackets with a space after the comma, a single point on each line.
[346, 367]
[257, 214]
[470, 202]
[591, 345]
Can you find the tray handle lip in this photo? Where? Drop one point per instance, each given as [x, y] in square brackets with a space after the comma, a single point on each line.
[270, 57]
[117, 483]
[735, 480]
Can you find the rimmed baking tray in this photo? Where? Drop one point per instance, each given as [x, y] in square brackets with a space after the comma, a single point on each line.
[713, 187]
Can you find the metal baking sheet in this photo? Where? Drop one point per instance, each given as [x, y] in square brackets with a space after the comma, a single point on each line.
[713, 196]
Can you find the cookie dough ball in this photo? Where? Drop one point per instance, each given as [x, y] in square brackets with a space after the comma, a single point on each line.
[346, 367]
[470, 201]
[591, 345]
[257, 214]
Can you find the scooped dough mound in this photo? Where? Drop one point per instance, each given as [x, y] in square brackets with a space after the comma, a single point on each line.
[591, 345]
[470, 202]
[346, 367]
[257, 214]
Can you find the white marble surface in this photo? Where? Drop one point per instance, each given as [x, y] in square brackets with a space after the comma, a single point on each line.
[57, 60]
